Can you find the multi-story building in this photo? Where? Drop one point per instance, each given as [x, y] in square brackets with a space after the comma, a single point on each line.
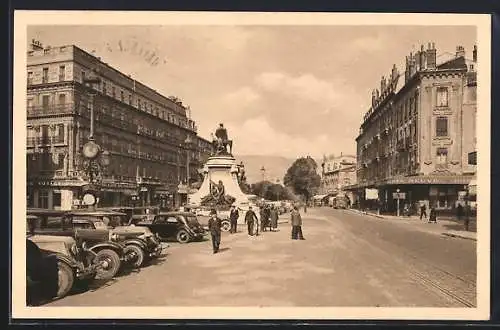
[338, 172]
[416, 140]
[144, 133]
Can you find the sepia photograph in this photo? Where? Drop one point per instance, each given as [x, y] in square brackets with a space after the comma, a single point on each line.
[251, 165]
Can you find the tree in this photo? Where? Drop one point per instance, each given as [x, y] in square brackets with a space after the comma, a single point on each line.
[302, 177]
[271, 191]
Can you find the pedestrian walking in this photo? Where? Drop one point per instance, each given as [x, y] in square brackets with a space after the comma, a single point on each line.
[423, 211]
[432, 215]
[250, 220]
[214, 226]
[296, 224]
[274, 218]
[262, 213]
[233, 218]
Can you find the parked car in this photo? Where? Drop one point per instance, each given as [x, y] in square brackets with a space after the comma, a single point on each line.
[139, 241]
[144, 213]
[181, 226]
[42, 275]
[60, 259]
[109, 253]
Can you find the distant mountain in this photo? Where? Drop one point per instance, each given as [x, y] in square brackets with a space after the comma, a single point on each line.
[275, 167]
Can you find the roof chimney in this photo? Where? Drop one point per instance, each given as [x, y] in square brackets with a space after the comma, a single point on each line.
[431, 56]
[36, 45]
[460, 52]
[474, 53]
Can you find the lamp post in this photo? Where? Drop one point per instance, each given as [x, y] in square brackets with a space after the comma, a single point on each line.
[96, 159]
[188, 142]
[397, 202]
[278, 191]
[466, 198]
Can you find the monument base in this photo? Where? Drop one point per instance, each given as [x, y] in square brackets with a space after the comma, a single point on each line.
[220, 188]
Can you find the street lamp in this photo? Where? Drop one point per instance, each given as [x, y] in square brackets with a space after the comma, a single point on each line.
[466, 198]
[397, 201]
[92, 83]
[96, 159]
[188, 142]
[278, 191]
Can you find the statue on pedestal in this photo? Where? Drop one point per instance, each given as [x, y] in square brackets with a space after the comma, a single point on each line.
[221, 142]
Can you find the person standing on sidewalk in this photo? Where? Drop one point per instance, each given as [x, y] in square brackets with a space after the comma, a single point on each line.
[423, 211]
[460, 211]
[233, 218]
[250, 220]
[274, 218]
[296, 224]
[214, 226]
[432, 215]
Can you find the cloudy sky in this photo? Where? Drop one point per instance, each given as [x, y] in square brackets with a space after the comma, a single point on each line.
[280, 90]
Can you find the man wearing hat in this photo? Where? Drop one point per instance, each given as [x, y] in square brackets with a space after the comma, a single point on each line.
[214, 226]
[233, 217]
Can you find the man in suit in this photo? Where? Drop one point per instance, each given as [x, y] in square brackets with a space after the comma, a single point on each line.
[214, 226]
[296, 224]
[251, 220]
[274, 218]
[233, 217]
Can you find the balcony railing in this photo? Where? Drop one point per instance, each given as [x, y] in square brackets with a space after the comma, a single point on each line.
[50, 110]
[32, 141]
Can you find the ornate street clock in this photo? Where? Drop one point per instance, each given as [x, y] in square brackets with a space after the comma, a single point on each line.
[91, 150]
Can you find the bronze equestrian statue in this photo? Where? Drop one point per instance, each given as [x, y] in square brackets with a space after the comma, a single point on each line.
[221, 141]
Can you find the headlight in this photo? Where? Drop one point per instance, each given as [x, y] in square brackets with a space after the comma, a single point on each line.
[116, 237]
[74, 249]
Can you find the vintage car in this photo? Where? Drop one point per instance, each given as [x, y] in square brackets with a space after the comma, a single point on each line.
[144, 213]
[139, 241]
[181, 226]
[109, 253]
[59, 259]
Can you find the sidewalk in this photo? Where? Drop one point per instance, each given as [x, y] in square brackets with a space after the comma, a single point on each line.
[446, 226]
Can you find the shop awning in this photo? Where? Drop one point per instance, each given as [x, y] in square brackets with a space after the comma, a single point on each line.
[473, 187]
[319, 196]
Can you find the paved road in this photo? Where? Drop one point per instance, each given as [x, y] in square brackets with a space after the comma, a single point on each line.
[346, 260]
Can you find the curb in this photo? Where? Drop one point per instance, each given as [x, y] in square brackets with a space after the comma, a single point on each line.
[367, 213]
[459, 236]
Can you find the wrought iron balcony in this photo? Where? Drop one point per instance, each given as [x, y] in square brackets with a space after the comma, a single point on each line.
[50, 110]
[32, 141]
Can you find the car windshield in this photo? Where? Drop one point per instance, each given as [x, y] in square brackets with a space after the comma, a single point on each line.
[192, 220]
[99, 225]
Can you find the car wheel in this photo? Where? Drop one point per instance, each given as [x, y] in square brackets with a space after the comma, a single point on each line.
[65, 279]
[110, 264]
[226, 225]
[183, 236]
[139, 260]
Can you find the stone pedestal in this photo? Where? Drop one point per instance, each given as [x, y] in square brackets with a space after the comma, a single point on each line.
[221, 169]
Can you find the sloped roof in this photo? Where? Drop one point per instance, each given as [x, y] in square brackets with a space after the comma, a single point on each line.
[455, 63]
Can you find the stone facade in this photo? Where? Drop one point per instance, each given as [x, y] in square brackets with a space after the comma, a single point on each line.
[337, 173]
[144, 132]
[424, 129]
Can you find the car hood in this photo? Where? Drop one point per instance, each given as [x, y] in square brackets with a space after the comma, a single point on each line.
[129, 230]
[52, 239]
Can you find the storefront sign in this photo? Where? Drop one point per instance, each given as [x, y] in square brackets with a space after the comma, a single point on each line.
[56, 183]
[400, 195]
[430, 180]
[371, 193]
